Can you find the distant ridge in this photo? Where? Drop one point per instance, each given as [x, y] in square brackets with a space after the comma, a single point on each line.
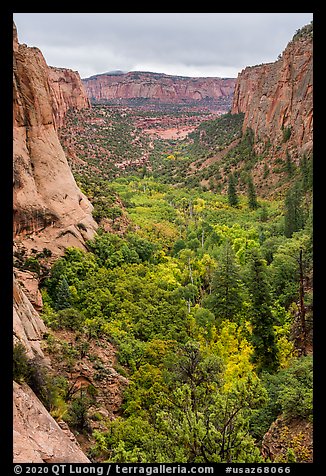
[119, 72]
[160, 88]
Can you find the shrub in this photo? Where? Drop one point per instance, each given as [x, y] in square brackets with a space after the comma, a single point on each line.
[295, 395]
[70, 318]
[21, 365]
[33, 265]
[286, 133]
[77, 415]
[49, 390]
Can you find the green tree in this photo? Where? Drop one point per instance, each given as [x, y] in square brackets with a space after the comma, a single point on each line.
[227, 290]
[263, 337]
[114, 213]
[306, 170]
[286, 131]
[251, 194]
[266, 171]
[289, 165]
[62, 298]
[290, 392]
[209, 423]
[21, 364]
[294, 214]
[296, 389]
[179, 245]
[78, 413]
[232, 191]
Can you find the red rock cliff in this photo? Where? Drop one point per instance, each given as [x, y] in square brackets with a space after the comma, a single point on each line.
[48, 204]
[161, 87]
[67, 92]
[278, 95]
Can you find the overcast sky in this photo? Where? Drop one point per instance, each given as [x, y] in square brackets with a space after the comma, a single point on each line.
[188, 44]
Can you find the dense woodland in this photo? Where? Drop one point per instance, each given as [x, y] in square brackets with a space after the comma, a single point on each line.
[207, 297]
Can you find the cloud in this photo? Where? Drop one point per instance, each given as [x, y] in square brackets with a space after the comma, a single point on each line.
[175, 43]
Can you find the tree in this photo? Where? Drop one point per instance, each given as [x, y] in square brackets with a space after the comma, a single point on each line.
[179, 245]
[251, 194]
[209, 423]
[62, 298]
[289, 165]
[266, 171]
[263, 336]
[78, 413]
[294, 215]
[232, 191]
[21, 364]
[286, 131]
[226, 298]
[306, 173]
[113, 213]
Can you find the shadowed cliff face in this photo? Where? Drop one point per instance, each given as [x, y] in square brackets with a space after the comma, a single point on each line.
[278, 95]
[160, 87]
[47, 201]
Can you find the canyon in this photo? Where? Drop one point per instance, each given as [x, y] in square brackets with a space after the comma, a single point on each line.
[52, 213]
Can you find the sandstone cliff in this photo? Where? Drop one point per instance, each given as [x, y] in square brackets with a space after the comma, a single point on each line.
[38, 438]
[67, 92]
[28, 327]
[49, 211]
[48, 205]
[155, 86]
[276, 97]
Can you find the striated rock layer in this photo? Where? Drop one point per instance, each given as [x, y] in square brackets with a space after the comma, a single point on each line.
[279, 95]
[48, 205]
[156, 86]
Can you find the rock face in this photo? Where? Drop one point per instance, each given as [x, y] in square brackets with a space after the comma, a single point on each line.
[38, 438]
[49, 211]
[284, 436]
[277, 96]
[67, 92]
[30, 286]
[28, 327]
[156, 86]
[48, 204]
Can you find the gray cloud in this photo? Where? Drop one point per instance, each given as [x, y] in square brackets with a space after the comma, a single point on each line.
[198, 44]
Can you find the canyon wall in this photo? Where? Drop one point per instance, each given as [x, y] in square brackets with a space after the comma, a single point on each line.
[38, 438]
[156, 86]
[49, 211]
[49, 208]
[67, 91]
[276, 97]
